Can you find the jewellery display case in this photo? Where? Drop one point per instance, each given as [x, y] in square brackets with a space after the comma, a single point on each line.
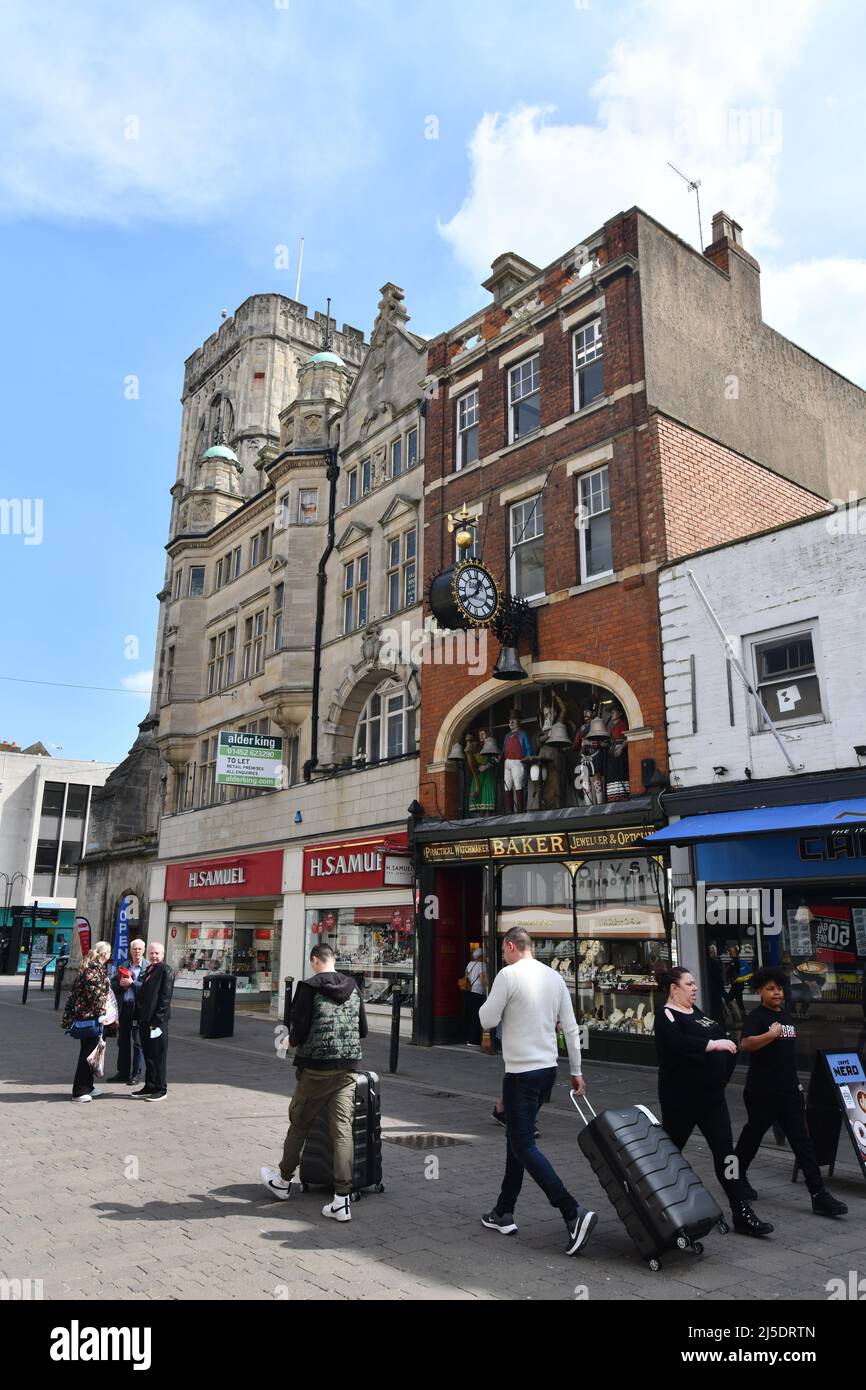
[374, 945]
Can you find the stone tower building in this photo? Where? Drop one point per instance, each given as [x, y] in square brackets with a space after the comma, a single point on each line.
[237, 388]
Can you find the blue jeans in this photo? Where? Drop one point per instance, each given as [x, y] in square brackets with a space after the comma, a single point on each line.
[523, 1094]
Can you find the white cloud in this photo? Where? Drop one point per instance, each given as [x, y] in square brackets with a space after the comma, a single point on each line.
[815, 303]
[691, 85]
[685, 85]
[224, 100]
[140, 683]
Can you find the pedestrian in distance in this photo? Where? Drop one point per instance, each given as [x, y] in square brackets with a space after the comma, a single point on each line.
[152, 1012]
[736, 985]
[87, 1001]
[531, 1001]
[126, 984]
[696, 1060]
[326, 1026]
[477, 977]
[773, 1093]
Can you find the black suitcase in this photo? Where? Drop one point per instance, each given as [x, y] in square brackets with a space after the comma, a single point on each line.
[317, 1156]
[656, 1193]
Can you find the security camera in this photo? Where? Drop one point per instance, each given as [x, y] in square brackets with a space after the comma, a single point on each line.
[720, 771]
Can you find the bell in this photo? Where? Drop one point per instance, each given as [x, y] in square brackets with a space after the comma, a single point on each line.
[508, 667]
[456, 755]
[559, 735]
[597, 729]
[490, 746]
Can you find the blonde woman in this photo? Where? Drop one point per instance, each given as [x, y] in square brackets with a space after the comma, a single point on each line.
[87, 1000]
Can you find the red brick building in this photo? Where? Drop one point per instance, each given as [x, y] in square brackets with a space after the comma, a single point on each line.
[622, 407]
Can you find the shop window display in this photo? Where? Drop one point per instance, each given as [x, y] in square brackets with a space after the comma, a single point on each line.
[375, 945]
[557, 746]
[620, 935]
[247, 952]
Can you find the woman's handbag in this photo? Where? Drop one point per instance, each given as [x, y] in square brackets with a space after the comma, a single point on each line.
[85, 1028]
[463, 983]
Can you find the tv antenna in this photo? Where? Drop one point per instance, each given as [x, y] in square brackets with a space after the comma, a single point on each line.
[693, 186]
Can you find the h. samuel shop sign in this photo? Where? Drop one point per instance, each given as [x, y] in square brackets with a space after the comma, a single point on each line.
[235, 876]
[361, 864]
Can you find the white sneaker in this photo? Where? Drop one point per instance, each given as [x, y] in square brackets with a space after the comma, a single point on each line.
[83, 1098]
[340, 1209]
[276, 1183]
[94, 1093]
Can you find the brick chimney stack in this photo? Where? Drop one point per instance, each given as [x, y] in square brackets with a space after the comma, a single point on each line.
[728, 241]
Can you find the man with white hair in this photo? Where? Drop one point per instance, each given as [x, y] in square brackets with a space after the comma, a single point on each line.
[152, 1011]
[126, 983]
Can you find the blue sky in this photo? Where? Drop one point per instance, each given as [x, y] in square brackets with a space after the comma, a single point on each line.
[156, 156]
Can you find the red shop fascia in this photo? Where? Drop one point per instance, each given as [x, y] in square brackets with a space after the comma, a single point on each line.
[226, 878]
[362, 864]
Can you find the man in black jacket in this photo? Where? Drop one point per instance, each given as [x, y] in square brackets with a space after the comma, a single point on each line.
[152, 1012]
[130, 1058]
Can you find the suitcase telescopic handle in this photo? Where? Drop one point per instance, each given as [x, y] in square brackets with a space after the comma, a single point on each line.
[575, 1100]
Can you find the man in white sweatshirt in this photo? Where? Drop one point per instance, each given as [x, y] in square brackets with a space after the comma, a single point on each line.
[531, 1000]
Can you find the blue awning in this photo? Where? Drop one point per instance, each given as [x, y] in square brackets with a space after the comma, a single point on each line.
[762, 820]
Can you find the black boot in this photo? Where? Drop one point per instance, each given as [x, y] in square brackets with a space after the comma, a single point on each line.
[746, 1222]
[825, 1204]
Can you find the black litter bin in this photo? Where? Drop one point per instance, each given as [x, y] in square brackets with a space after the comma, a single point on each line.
[218, 1006]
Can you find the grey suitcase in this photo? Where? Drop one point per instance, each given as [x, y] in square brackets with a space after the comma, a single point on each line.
[655, 1192]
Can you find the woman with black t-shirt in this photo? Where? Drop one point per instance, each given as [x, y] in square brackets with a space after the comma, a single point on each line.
[695, 1064]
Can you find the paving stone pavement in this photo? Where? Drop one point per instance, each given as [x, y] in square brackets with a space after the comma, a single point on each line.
[119, 1198]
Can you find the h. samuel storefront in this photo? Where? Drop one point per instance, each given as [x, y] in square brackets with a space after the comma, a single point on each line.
[225, 914]
[786, 886]
[358, 896]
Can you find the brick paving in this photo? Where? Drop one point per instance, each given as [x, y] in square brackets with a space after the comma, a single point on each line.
[120, 1198]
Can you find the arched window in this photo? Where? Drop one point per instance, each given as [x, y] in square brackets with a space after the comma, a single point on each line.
[221, 421]
[386, 728]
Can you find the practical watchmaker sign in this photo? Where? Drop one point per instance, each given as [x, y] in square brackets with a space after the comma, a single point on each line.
[565, 842]
[553, 843]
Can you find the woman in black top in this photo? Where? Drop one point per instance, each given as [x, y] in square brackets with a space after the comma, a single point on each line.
[695, 1064]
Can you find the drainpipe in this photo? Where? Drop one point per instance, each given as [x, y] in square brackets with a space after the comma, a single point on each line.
[332, 474]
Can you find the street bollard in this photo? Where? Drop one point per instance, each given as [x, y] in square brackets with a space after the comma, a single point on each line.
[59, 972]
[396, 1003]
[27, 970]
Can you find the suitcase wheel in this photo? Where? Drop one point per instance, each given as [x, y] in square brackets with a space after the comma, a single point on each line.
[698, 1248]
[380, 1187]
[355, 1196]
[655, 1265]
[722, 1227]
[305, 1187]
[683, 1242]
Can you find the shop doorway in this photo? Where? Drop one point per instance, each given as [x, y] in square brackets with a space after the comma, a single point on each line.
[459, 929]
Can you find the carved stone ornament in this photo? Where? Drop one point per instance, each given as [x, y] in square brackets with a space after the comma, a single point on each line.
[184, 517]
[202, 509]
[370, 644]
[312, 423]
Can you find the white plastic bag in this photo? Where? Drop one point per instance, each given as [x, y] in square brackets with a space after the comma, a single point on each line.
[96, 1059]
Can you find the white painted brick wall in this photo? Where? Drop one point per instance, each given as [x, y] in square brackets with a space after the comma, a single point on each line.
[803, 573]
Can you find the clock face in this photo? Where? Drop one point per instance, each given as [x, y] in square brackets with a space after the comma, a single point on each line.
[475, 592]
